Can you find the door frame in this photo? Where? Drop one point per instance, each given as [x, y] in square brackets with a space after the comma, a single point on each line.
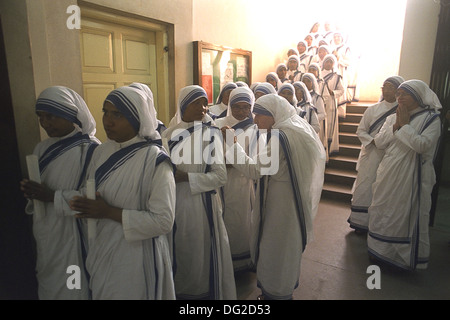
[165, 57]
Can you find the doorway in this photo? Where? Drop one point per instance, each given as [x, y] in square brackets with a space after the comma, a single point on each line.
[119, 50]
[17, 262]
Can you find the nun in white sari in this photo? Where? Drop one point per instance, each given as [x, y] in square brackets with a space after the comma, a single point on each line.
[306, 109]
[239, 191]
[370, 155]
[219, 110]
[318, 102]
[288, 193]
[63, 160]
[399, 213]
[332, 91]
[129, 257]
[202, 257]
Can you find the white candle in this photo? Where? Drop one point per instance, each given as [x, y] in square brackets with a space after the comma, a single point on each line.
[34, 174]
[90, 193]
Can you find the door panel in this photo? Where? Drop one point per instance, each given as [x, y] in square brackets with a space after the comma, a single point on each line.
[94, 95]
[114, 55]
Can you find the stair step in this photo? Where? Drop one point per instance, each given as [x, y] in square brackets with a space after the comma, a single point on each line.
[350, 127]
[340, 172]
[349, 138]
[359, 107]
[350, 150]
[337, 192]
[342, 162]
[353, 117]
[340, 176]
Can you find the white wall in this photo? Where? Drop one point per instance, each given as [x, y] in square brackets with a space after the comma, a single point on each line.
[269, 28]
[421, 23]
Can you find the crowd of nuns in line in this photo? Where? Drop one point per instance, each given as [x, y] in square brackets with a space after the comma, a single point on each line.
[175, 216]
[319, 77]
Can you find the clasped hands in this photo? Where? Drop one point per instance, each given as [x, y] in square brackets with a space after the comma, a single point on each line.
[402, 117]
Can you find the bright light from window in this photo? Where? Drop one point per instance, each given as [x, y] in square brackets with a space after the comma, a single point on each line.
[374, 30]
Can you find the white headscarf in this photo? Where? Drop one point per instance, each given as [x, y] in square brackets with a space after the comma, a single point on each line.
[145, 89]
[331, 57]
[241, 94]
[306, 153]
[65, 103]
[293, 58]
[317, 67]
[313, 79]
[395, 81]
[188, 95]
[305, 44]
[306, 95]
[138, 109]
[226, 87]
[241, 84]
[420, 91]
[279, 66]
[290, 87]
[274, 76]
[265, 88]
[254, 85]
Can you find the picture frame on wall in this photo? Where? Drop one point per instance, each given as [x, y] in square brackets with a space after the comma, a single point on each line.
[216, 65]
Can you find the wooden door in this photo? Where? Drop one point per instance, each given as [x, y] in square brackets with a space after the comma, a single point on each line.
[114, 55]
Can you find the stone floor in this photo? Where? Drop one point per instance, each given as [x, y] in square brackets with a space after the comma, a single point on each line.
[334, 266]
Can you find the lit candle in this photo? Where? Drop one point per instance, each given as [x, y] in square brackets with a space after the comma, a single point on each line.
[34, 174]
[90, 193]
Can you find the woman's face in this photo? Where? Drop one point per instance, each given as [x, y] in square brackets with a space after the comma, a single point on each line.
[240, 110]
[309, 40]
[406, 99]
[264, 122]
[298, 94]
[328, 65]
[287, 94]
[258, 94]
[281, 72]
[308, 84]
[54, 126]
[301, 48]
[314, 71]
[322, 53]
[293, 65]
[116, 125]
[195, 111]
[271, 81]
[226, 97]
[388, 90]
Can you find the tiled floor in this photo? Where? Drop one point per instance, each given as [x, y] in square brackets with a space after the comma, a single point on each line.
[334, 265]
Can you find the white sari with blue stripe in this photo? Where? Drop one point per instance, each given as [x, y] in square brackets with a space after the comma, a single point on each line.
[131, 260]
[369, 158]
[286, 200]
[58, 239]
[202, 257]
[239, 197]
[399, 213]
[333, 82]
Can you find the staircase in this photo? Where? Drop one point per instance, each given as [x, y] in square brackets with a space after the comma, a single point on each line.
[340, 172]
